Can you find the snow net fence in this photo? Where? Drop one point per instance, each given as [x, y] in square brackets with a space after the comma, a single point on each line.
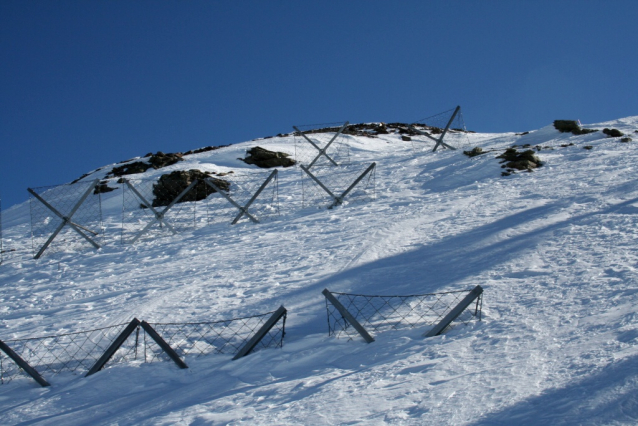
[1, 246]
[377, 314]
[65, 217]
[321, 144]
[443, 130]
[72, 353]
[156, 207]
[250, 196]
[87, 352]
[195, 339]
[330, 186]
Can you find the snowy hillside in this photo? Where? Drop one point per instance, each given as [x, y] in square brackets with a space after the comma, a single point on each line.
[554, 250]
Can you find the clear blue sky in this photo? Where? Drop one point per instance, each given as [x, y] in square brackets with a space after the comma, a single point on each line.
[88, 83]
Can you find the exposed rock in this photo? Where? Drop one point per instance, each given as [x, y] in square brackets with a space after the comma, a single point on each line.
[266, 159]
[588, 147]
[103, 187]
[612, 133]
[526, 160]
[627, 139]
[406, 138]
[129, 169]
[566, 126]
[571, 126]
[205, 149]
[522, 164]
[155, 161]
[160, 159]
[170, 185]
[474, 152]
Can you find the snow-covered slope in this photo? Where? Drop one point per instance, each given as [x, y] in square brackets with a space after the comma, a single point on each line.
[554, 250]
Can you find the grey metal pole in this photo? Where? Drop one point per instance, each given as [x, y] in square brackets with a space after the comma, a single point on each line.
[324, 150]
[313, 177]
[254, 197]
[230, 200]
[66, 220]
[339, 200]
[248, 347]
[455, 312]
[347, 316]
[449, 123]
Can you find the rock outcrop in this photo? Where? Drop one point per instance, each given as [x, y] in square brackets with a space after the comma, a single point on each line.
[265, 159]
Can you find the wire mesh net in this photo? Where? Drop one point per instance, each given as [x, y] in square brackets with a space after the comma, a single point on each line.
[156, 207]
[71, 352]
[66, 200]
[321, 135]
[456, 136]
[217, 337]
[382, 313]
[241, 188]
[1, 246]
[338, 180]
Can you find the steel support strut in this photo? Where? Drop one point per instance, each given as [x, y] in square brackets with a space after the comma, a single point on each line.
[243, 210]
[158, 216]
[338, 199]
[66, 220]
[439, 140]
[322, 151]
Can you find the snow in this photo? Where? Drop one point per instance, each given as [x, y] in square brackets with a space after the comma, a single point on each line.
[554, 250]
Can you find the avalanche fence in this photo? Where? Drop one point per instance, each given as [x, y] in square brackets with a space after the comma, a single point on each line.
[350, 315]
[87, 352]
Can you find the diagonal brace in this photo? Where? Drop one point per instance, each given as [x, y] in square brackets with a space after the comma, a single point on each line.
[250, 345]
[66, 220]
[322, 151]
[23, 364]
[439, 140]
[347, 316]
[159, 216]
[242, 210]
[338, 199]
[455, 312]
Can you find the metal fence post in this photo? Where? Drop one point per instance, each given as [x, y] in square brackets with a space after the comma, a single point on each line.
[250, 345]
[162, 344]
[66, 220]
[119, 341]
[322, 151]
[454, 313]
[439, 141]
[23, 364]
[347, 316]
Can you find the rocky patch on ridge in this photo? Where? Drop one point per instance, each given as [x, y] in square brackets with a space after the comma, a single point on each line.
[514, 160]
[155, 161]
[266, 159]
[170, 185]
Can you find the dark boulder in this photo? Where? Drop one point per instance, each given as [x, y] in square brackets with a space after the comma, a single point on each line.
[571, 126]
[566, 126]
[129, 169]
[612, 133]
[160, 159]
[265, 159]
[474, 152]
[170, 185]
[526, 160]
[103, 187]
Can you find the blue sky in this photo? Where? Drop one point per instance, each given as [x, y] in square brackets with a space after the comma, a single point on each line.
[88, 83]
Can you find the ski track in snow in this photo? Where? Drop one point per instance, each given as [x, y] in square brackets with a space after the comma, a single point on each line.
[554, 250]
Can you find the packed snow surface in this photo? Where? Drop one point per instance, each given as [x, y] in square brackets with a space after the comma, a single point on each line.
[554, 250]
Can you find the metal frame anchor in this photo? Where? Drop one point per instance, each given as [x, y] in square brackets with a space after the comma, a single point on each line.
[66, 220]
[322, 151]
